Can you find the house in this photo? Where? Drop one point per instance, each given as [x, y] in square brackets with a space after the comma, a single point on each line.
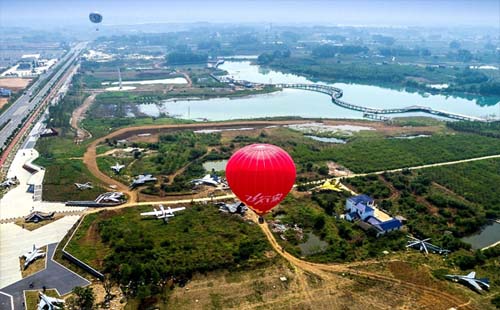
[38, 216]
[362, 208]
[4, 92]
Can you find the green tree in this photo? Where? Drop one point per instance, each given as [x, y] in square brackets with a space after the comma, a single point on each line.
[83, 300]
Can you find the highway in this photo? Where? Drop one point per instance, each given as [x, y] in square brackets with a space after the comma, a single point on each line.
[13, 117]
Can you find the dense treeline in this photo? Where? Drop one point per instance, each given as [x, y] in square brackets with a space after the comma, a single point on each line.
[476, 181]
[60, 113]
[327, 50]
[185, 57]
[145, 254]
[462, 80]
[377, 153]
[345, 241]
[490, 129]
[430, 211]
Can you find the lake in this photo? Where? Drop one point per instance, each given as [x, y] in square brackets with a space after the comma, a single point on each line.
[313, 245]
[294, 102]
[489, 235]
[217, 165]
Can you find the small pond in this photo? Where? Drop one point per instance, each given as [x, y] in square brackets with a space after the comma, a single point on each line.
[313, 244]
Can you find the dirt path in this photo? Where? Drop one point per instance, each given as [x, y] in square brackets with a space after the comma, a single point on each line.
[90, 156]
[302, 267]
[78, 115]
[188, 79]
[321, 269]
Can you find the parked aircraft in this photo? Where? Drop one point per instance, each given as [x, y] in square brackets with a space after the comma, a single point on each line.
[237, 207]
[8, 183]
[471, 281]
[328, 186]
[117, 168]
[208, 179]
[82, 186]
[49, 303]
[141, 179]
[31, 256]
[423, 245]
[110, 197]
[163, 213]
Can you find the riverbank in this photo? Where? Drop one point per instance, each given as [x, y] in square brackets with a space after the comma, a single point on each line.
[421, 77]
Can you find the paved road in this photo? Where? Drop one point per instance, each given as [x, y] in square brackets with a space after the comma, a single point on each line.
[15, 241]
[54, 276]
[22, 107]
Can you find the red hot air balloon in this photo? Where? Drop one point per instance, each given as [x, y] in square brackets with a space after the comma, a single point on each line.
[260, 175]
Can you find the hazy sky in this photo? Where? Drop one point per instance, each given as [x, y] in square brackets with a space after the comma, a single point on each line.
[38, 13]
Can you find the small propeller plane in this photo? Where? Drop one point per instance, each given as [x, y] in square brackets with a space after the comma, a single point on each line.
[163, 213]
[117, 168]
[49, 303]
[31, 256]
[82, 186]
[470, 280]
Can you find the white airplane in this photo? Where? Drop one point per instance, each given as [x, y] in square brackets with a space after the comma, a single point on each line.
[8, 183]
[117, 167]
[110, 197]
[471, 281]
[82, 186]
[208, 180]
[31, 256]
[163, 213]
[141, 179]
[49, 303]
[236, 207]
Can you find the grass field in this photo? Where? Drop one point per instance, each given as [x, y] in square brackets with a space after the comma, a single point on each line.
[35, 266]
[32, 226]
[198, 239]
[32, 298]
[60, 176]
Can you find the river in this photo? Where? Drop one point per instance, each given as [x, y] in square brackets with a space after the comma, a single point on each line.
[293, 102]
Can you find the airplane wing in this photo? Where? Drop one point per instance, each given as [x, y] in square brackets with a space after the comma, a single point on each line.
[471, 275]
[473, 283]
[150, 213]
[39, 254]
[42, 305]
[165, 216]
[26, 255]
[54, 300]
[412, 244]
[175, 209]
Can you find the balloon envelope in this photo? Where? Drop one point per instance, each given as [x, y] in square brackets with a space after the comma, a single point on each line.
[260, 175]
[95, 17]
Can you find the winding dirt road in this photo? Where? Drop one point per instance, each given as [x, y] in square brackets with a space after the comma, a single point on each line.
[327, 272]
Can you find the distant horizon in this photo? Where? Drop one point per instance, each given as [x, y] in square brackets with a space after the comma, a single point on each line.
[378, 13]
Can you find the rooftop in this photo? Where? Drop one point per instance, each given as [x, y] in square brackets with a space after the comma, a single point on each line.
[361, 199]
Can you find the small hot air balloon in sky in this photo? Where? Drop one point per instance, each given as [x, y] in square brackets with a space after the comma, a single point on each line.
[260, 175]
[96, 18]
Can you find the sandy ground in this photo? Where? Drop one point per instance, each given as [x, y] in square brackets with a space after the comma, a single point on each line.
[14, 83]
[78, 115]
[3, 101]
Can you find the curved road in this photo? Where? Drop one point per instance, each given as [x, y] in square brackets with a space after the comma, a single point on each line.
[301, 266]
